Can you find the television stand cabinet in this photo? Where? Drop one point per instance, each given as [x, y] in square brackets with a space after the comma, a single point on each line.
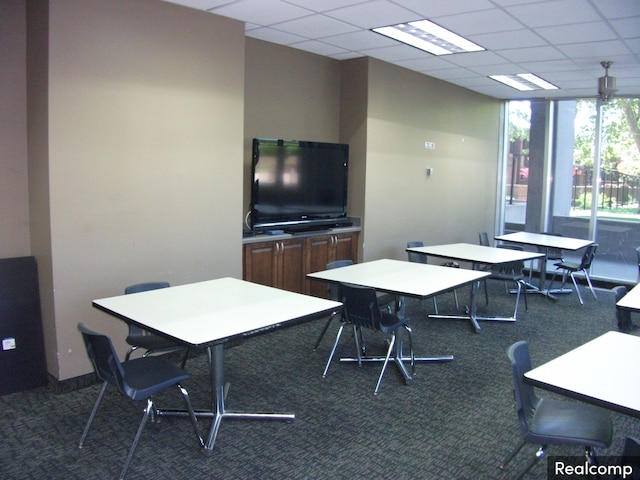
[283, 261]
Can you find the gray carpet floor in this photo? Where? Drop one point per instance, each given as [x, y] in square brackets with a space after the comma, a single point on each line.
[456, 421]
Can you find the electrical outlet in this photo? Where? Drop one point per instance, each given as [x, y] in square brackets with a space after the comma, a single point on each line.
[8, 343]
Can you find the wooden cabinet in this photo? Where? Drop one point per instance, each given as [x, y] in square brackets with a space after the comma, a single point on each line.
[327, 248]
[285, 263]
[277, 263]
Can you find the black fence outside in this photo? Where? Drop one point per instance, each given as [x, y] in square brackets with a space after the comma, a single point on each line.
[617, 189]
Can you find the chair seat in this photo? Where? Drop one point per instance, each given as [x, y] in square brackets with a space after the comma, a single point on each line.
[389, 322]
[497, 275]
[147, 376]
[568, 266]
[560, 422]
[150, 342]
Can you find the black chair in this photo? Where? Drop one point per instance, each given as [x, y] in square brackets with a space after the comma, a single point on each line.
[554, 253]
[548, 421]
[333, 294]
[362, 311]
[420, 258]
[137, 379]
[623, 316]
[571, 268]
[141, 338]
[483, 239]
[511, 272]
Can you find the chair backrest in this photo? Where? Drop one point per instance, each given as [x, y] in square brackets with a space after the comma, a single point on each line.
[511, 268]
[483, 239]
[333, 290]
[623, 317]
[146, 286]
[589, 255]
[103, 357]
[553, 253]
[361, 306]
[526, 399]
[416, 257]
[142, 287]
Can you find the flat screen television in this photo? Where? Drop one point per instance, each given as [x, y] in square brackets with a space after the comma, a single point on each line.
[298, 185]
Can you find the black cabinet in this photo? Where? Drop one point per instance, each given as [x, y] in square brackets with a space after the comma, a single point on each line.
[22, 358]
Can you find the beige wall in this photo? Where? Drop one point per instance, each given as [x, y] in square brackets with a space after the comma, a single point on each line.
[405, 110]
[140, 117]
[145, 125]
[14, 200]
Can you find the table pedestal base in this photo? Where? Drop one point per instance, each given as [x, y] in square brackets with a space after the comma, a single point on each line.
[218, 411]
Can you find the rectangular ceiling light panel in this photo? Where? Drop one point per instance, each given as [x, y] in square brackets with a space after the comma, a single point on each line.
[524, 82]
[429, 37]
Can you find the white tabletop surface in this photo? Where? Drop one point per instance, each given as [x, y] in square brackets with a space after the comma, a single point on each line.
[548, 241]
[401, 277]
[212, 311]
[602, 371]
[476, 253]
[631, 301]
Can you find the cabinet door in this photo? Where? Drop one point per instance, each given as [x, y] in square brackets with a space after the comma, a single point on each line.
[291, 265]
[318, 255]
[260, 263]
[345, 247]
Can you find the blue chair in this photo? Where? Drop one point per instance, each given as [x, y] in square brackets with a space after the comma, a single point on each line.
[549, 421]
[141, 338]
[569, 269]
[139, 379]
[333, 294]
[420, 258]
[362, 310]
[623, 316]
[511, 272]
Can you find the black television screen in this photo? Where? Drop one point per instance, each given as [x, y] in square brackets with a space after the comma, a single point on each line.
[298, 185]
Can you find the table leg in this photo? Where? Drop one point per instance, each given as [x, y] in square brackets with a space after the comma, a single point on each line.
[471, 313]
[218, 411]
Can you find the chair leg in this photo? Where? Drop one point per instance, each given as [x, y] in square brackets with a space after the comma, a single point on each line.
[512, 454]
[386, 361]
[586, 275]
[136, 439]
[515, 312]
[128, 354]
[540, 453]
[185, 357]
[575, 284]
[85, 432]
[324, 330]
[192, 415]
[455, 297]
[333, 351]
[411, 352]
[486, 292]
[435, 305]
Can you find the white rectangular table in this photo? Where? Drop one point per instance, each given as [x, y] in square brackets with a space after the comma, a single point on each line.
[631, 301]
[601, 372]
[208, 314]
[478, 255]
[402, 279]
[543, 242]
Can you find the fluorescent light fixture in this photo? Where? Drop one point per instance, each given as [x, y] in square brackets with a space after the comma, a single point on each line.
[524, 82]
[429, 37]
